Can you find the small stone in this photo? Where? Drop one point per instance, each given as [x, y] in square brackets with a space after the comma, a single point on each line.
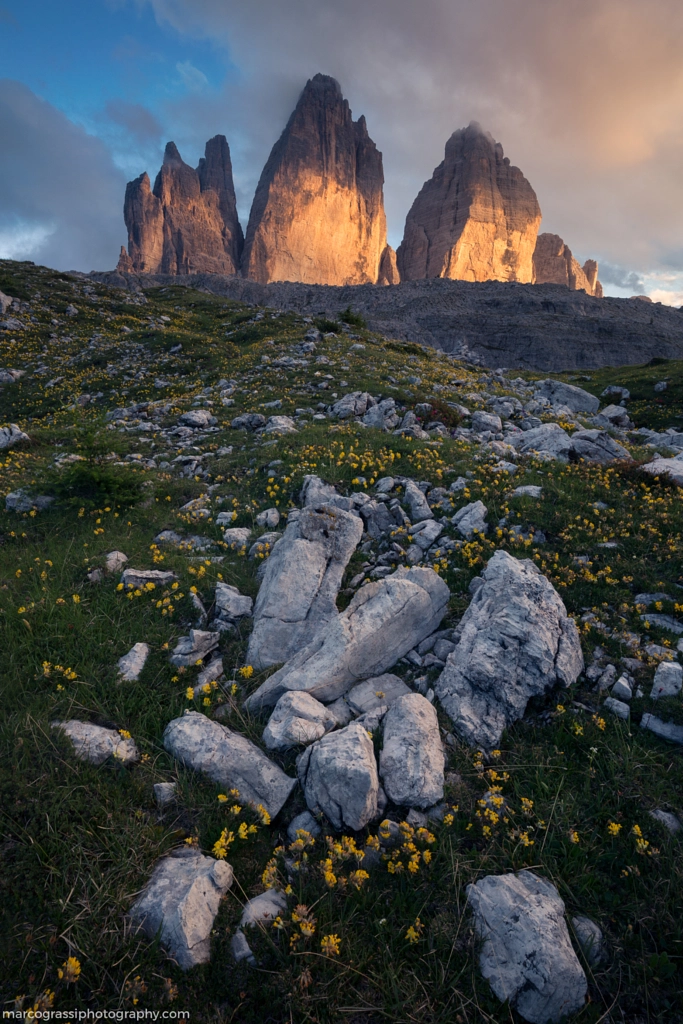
[95, 744]
[483, 421]
[236, 537]
[131, 665]
[528, 491]
[668, 680]
[617, 707]
[419, 507]
[230, 604]
[622, 689]
[379, 690]
[416, 819]
[665, 730]
[198, 418]
[607, 678]
[280, 425]
[589, 937]
[303, 822]
[195, 647]
[297, 719]
[667, 819]
[471, 519]
[269, 518]
[180, 903]
[115, 561]
[138, 578]
[95, 576]
[164, 793]
[412, 759]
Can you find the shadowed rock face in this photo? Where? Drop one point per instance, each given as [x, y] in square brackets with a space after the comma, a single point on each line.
[188, 223]
[318, 213]
[476, 219]
[554, 264]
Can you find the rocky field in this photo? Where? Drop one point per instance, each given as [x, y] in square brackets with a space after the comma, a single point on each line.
[341, 677]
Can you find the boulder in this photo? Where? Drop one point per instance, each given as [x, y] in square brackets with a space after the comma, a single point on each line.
[338, 775]
[95, 744]
[527, 956]
[301, 581]
[383, 621]
[548, 440]
[237, 537]
[280, 425]
[613, 416]
[672, 469]
[411, 764]
[425, 533]
[195, 647]
[380, 691]
[616, 391]
[377, 519]
[558, 393]
[515, 641]
[419, 507]
[383, 415]
[139, 578]
[483, 421]
[180, 903]
[668, 680]
[354, 404]
[131, 665]
[270, 517]
[665, 730]
[230, 604]
[11, 436]
[597, 446]
[198, 418]
[297, 720]
[315, 491]
[229, 759]
[471, 519]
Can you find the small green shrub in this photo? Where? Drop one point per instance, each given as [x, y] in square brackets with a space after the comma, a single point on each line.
[89, 484]
[347, 316]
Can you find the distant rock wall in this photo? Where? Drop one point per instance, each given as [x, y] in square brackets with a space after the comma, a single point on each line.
[476, 219]
[554, 264]
[318, 213]
[188, 223]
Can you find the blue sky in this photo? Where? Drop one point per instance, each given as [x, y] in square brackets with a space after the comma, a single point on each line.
[590, 108]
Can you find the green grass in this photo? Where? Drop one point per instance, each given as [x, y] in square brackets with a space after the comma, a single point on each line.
[79, 842]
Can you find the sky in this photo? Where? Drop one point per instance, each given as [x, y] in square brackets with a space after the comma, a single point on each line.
[586, 96]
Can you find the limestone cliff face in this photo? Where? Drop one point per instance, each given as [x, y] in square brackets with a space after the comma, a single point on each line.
[188, 223]
[554, 264]
[476, 219]
[318, 212]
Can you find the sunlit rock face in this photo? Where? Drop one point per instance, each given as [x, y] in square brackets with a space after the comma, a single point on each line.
[476, 219]
[554, 264]
[318, 213]
[188, 223]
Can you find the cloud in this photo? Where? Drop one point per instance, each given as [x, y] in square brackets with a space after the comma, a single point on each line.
[62, 196]
[135, 119]
[620, 277]
[192, 78]
[586, 97]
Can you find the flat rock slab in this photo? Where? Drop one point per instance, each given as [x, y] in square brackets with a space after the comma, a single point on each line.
[297, 719]
[670, 468]
[668, 680]
[527, 956]
[515, 642]
[140, 577]
[665, 730]
[549, 439]
[379, 691]
[131, 665]
[229, 759]
[301, 581]
[338, 775]
[559, 393]
[597, 446]
[95, 744]
[411, 764]
[180, 903]
[382, 623]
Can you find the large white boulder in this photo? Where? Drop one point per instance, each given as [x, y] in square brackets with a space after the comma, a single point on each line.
[301, 582]
[527, 956]
[382, 623]
[338, 775]
[229, 759]
[297, 720]
[548, 440]
[515, 642]
[558, 393]
[180, 903]
[95, 744]
[412, 761]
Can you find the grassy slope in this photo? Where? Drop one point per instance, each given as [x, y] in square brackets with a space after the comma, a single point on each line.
[78, 842]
